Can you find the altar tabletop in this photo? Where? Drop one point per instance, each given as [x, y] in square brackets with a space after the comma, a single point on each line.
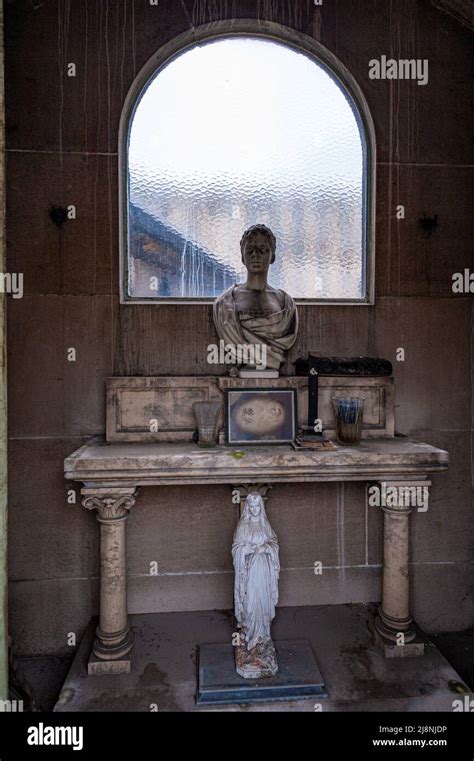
[142, 464]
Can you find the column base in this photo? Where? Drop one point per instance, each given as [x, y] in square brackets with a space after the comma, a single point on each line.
[111, 652]
[96, 667]
[387, 633]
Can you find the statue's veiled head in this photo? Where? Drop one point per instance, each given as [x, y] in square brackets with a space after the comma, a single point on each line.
[255, 504]
[253, 519]
[258, 246]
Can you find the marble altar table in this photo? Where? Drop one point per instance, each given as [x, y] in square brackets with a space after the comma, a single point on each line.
[111, 475]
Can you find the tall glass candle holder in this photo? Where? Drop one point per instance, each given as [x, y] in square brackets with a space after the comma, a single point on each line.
[207, 416]
[349, 415]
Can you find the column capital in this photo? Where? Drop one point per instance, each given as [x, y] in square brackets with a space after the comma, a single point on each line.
[111, 504]
[398, 497]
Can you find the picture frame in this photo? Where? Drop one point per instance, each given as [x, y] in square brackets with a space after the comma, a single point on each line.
[260, 416]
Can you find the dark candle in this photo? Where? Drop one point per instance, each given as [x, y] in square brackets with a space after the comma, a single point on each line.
[312, 392]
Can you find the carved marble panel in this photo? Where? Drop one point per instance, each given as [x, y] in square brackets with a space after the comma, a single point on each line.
[159, 409]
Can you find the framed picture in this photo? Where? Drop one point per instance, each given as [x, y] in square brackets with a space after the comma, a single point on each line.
[260, 415]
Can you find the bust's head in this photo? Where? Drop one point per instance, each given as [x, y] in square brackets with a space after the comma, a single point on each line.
[257, 247]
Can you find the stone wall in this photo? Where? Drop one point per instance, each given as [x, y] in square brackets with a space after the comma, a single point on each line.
[62, 149]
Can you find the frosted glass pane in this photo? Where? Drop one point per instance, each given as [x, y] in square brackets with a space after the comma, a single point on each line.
[238, 131]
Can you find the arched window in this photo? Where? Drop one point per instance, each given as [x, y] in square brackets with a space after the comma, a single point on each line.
[234, 129]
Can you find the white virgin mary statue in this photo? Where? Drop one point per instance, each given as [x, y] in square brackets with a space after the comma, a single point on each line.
[257, 568]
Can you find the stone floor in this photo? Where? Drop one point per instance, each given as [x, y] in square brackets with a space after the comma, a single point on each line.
[357, 677]
[43, 676]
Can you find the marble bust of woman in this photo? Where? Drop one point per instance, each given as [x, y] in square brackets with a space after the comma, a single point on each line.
[254, 312]
[257, 567]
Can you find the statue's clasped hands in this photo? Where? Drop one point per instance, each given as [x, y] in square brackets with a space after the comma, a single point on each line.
[252, 549]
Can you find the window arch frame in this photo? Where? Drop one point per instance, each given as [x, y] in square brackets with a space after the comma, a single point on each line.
[299, 42]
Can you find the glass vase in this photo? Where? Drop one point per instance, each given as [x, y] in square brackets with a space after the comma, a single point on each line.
[349, 415]
[207, 417]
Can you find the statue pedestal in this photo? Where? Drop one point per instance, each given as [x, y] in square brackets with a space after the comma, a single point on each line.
[256, 663]
[253, 372]
[298, 676]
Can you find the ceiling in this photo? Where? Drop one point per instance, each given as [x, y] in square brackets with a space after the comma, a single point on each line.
[462, 10]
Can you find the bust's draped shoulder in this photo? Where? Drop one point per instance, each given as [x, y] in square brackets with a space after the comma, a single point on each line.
[277, 331]
[226, 318]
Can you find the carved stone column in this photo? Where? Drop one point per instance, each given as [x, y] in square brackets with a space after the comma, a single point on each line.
[114, 637]
[394, 624]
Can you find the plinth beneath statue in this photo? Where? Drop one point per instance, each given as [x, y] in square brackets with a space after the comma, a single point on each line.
[256, 663]
[255, 374]
[298, 676]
